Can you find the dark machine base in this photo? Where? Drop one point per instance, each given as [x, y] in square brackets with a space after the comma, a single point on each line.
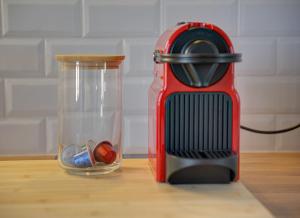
[196, 171]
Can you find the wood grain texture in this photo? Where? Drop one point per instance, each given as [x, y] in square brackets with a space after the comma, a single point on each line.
[89, 58]
[39, 188]
[274, 178]
[29, 157]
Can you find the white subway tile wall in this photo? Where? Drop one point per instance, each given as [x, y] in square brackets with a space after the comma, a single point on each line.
[290, 140]
[119, 18]
[269, 17]
[32, 32]
[21, 58]
[42, 18]
[259, 56]
[51, 136]
[269, 94]
[22, 136]
[136, 95]
[1, 98]
[30, 97]
[258, 142]
[288, 56]
[221, 12]
[139, 56]
[135, 127]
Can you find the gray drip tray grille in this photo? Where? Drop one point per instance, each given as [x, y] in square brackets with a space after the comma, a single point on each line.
[199, 125]
[202, 154]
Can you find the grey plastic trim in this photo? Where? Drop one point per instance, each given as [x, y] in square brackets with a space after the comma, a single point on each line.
[175, 164]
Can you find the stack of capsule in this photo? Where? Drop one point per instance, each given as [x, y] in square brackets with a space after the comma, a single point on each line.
[89, 154]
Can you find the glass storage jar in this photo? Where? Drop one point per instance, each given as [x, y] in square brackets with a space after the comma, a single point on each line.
[90, 113]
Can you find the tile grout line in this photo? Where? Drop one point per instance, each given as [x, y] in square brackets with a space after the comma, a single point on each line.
[2, 18]
[238, 18]
[162, 21]
[83, 19]
[7, 99]
[276, 57]
[278, 143]
[2, 107]
[46, 73]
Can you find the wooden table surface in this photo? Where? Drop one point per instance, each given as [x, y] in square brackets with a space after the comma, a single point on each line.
[37, 189]
[274, 179]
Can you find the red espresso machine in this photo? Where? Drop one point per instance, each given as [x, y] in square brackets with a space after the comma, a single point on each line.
[194, 108]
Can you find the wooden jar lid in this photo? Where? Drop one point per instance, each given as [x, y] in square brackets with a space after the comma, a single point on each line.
[90, 60]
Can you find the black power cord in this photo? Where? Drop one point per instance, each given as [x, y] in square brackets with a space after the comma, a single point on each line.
[270, 132]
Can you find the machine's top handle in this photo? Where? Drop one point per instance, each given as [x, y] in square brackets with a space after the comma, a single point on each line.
[193, 58]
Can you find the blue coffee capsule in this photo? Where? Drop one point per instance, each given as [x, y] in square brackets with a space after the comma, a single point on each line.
[68, 153]
[85, 158]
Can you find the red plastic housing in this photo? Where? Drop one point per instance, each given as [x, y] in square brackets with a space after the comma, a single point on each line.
[165, 83]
